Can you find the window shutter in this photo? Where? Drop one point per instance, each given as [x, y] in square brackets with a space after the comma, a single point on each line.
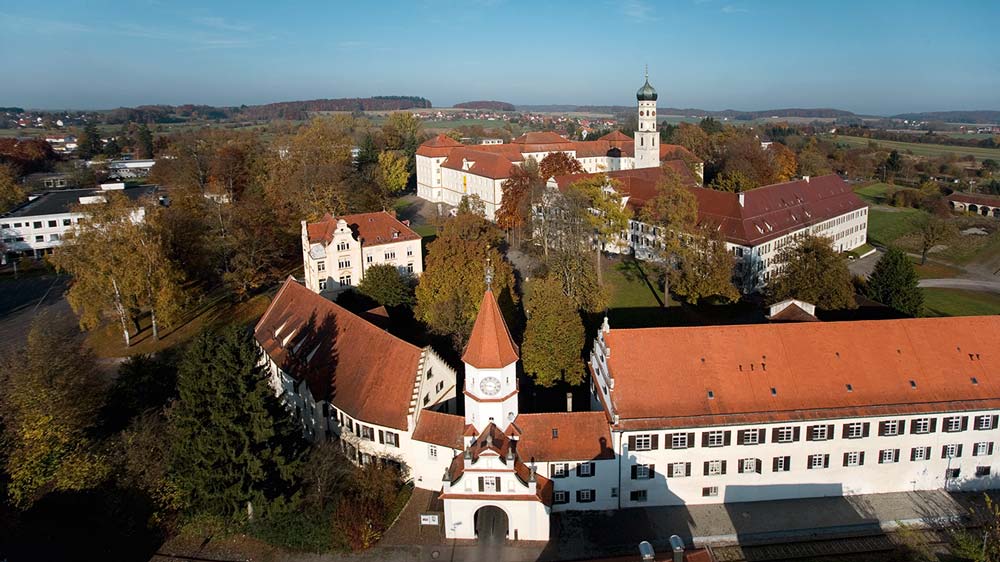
[481, 487]
[927, 452]
[880, 458]
[670, 470]
[759, 465]
[593, 469]
[634, 471]
[861, 458]
[687, 465]
[579, 496]
[652, 471]
[727, 438]
[578, 471]
[865, 429]
[829, 431]
[913, 427]
[989, 448]
[723, 467]
[881, 430]
[741, 436]
[895, 455]
[668, 440]
[959, 452]
[965, 423]
[826, 461]
[631, 442]
[810, 433]
[774, 435]
[706, 468]
[690, 439]
[497, 480]
[944, 451]
[762, 433]
[902, 426]
[913, 454]
[655, 441]
[846, 431]
[796, 433]
[704, 439]
[845, 458]
[993, 422]
[381, 437]
[933, 425]
[774, 464]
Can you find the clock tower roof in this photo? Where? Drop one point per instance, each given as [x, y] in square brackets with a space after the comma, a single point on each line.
[490, 345]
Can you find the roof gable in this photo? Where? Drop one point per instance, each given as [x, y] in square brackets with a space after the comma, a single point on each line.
[490, 345]
[371, 229]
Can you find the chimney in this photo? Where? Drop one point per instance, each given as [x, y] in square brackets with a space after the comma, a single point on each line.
[677, 545]
[742, 198]
[569, 401]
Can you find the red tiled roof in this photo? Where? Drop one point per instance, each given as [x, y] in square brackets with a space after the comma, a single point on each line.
[638, 184]
[438, 146]
[589, 149]
[371, 229]
[616, 136]
[378, 316]
[490, 345]
[494, 165]
[563, 436]
[362, 369]
[975, 198]
[440, 429]
[809, 366]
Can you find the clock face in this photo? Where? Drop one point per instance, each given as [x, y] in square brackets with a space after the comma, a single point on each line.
[490, 386]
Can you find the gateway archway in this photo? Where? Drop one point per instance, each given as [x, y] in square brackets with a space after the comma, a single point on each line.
[491, 525]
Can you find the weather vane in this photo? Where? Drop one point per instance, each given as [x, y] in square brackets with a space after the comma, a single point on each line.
[489, 275]
[647, 71]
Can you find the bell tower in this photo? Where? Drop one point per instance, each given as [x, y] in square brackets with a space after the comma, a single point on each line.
[490, 367]
[647, 139]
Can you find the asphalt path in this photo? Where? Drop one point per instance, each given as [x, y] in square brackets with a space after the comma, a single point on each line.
[968, 284]
[22, 300]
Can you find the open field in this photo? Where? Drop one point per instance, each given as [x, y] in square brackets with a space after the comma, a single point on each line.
[886, 226]
[918, 149]
[874, 193]
[957, 302]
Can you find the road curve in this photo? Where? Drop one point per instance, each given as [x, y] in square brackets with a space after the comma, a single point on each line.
[968, 284]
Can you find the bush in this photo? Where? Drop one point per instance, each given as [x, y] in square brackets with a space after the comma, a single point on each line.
[303, 530]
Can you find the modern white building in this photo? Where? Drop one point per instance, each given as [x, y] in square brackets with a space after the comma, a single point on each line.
[37, 226]
[336, 251]
[447, 170]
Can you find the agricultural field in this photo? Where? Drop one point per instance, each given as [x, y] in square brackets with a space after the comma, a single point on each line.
[919, 149]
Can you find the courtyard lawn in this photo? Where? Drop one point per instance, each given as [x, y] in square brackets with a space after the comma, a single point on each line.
[886, 225]
[632, 284]
[960, 302]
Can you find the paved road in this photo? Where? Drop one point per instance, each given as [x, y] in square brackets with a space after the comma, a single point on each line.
[968, 284]
[21, 300]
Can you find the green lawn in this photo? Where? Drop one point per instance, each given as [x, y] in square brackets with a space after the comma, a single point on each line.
[875, 193]
[630, 284]
[885, 226]
[958, 302]
[919, 149]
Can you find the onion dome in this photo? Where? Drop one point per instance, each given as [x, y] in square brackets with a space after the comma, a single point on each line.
[646, 92]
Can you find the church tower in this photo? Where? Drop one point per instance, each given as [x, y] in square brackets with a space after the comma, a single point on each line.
[647, 140]
[490, 369]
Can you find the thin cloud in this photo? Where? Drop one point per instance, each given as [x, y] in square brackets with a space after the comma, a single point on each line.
[43, 25]
[222, 24]
[734, 10]
[639, 11]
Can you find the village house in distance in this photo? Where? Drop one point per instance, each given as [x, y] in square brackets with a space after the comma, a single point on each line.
[741, 413]
[336, 251]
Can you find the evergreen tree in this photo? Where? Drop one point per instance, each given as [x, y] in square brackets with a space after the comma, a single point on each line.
[88, 144]
[112, 149]
[233, 446]
[812, 272]
[144, 146]
[553, 336]
[386, 286]
[894, 283]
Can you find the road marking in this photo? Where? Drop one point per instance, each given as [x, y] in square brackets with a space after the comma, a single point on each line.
[41, 300]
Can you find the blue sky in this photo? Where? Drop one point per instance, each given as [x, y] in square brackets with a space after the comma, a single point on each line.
[866, 56]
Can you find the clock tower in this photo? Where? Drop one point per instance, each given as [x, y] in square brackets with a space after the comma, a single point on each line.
[490, 369]
[647, 146]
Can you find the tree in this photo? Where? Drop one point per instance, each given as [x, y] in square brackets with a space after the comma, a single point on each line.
[451, 288]
[785, 163]
[515, 201]
[733, 182]
[990, 166]
[706, 268]
[558, 164]
[894, 282]
[673, 212]
[51, 398]
[234, 448]
[710, 125]
[693, 138]
[392, 174]
[811, 271]
[980, 540]
[605, 213]
[144, 146]
[386, 285]
[813, 163]
[88, 143]
[933, 231]
[553, 335]
[400, 129]
[112, 149]
[579, 281]
[11, 193]
[894, 162]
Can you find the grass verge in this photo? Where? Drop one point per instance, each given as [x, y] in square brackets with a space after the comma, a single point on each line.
[960, 302]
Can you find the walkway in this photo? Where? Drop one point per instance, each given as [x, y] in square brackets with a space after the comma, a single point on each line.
[969, 284]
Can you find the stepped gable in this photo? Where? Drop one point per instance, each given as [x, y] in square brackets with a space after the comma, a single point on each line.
[344, 359]
[562, 436]
[489, 164]
[440, 429]
[438, 147]
[490, 345]
[767, 373]
[371, 229]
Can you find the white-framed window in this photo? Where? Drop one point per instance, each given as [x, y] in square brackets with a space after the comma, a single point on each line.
[345, 280]
[641, 471]
[781, 464]
[367, 433]
[344, 264]
[585, 495]
[855, 430]
[637, 495]
[820, 432]
[982, 471]
[390, 255]
[786, 434]
[560, 496]
[643, 442]
[369, 258]
[585, 469]
[432, 451]
[679, 441]
[748, 466]
[751, 437]
[888, 456]
[984, 422]
[890, 428]
[953, 424]
[951, 451]
[409, 252]
[343, 246]
[922, 425]
[322, 284]
[559, 470]
[679, 469]
[919, 453]
[321, 266]
[817, 461]
[490, 482]
[716, 438]
[982, 448]
[852, 458]
[409, 268]
[710, 491]
[713, 468]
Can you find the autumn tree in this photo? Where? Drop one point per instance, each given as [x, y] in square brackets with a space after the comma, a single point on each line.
[933, 231]
[812, 162]
[693, 138]
[517, 193]
[894, 283]
[451, 288]
[673, 212]
[11, 193]
[811, 271]
[558, 164]
[384, 284]
[579, 281]
[605, 213]
[51, 399]
[705, 269]
[784, 162]
[392, 175]
[733, 182]
[553, 335]
[234, 448]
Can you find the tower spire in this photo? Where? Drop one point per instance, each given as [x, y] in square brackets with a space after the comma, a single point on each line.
[489, 274]
[647, 72]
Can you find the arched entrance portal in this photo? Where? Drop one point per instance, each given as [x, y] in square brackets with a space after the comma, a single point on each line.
[491, 525]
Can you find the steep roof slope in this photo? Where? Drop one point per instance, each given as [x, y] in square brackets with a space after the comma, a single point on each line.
[490, 345]
[371, 229]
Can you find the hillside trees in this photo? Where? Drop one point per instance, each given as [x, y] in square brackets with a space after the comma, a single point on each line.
[553, 335]
[811, 271]
[894, 282]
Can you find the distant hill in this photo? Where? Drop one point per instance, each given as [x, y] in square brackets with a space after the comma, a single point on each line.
[493, 105]
[818, 113]
[977, 116]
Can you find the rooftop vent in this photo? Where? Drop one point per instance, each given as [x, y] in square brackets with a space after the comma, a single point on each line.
[774, 391]
[555, 433]
[975, 380]
[850, 388]
[711, 395]
[913, 383]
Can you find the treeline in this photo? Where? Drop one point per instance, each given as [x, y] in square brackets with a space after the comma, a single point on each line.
[818, 113]
[493, 105]
[930, 137]
[982, 116]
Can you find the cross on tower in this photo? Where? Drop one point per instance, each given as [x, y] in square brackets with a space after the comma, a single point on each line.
[489, 275]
